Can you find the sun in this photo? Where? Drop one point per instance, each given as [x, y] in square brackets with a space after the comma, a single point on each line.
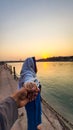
[45, 55]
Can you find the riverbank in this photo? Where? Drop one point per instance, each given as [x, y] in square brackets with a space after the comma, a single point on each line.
[51, 119]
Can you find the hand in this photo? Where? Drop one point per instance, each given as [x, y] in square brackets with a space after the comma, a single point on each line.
[32, 90]
[26, 94]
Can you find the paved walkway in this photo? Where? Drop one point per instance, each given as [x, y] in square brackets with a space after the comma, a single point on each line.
[7, 86]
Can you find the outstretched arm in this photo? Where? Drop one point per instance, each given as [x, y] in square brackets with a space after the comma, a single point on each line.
[9, 106]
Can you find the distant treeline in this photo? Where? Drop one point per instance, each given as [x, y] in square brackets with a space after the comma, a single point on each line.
[59, 58]
[10, 61]
[49, 59]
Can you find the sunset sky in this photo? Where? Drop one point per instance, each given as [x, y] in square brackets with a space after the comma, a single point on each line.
[40, 28]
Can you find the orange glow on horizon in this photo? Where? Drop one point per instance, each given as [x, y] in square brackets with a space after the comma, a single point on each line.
[45, 55]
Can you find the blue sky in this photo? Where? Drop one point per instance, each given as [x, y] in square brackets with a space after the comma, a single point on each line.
[35, 27]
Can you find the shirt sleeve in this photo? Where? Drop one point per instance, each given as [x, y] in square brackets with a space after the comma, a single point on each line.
[8, 113]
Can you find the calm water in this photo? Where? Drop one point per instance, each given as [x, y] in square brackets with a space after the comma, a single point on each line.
[57, 85]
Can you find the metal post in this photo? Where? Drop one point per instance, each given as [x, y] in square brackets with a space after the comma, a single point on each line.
[14, 72]
[10, 69]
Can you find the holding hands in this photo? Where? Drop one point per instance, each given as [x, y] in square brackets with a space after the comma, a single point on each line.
[27, 93]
